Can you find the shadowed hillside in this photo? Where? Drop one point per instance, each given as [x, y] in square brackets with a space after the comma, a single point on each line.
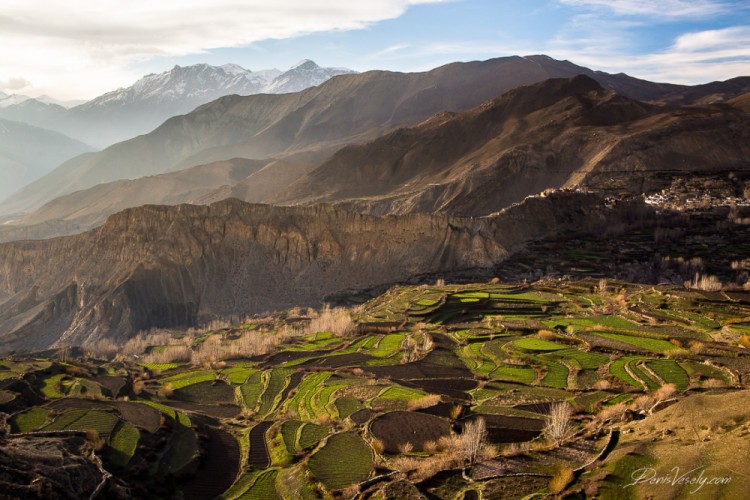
[160, 266]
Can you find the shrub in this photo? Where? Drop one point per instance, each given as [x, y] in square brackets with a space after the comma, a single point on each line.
[603, 384]
[93, 440]
[705, 282]
[335, 320]
[697, 348]
[456, 412]
[562, 478]
[615, 412]
[406, 447]
[558, 426]
[677, 353]
[714, 383]
[378, 445]
[166, 391]
[430, 447]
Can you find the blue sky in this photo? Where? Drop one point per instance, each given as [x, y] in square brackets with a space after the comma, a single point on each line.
[87, 48]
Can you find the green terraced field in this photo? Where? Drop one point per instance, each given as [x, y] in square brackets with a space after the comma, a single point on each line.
[345, 459]
[617, 369]
[311, 434]
[487, 357]
[276, 383]
[29, 420]
[289, 434]
[162, 366]
[654, 345]
[586, 360]
[189, 378]
[81, 420]
[522, 374]
[671, 372]
[556, 376]
[123, 443]
[346, 406]
[388, 346]
[535, 344]
[251, 390]
[263, 487]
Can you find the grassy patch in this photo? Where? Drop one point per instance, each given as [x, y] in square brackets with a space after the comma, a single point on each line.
[514, 373]
[345, 459]
[654, 345]
[346, 406]
[51, 386]
[81, 420]
[556, 376]
[311, 434]
[535, 344]
[277, 380]
[29, 420]
[251, 390]
[671, 372]
[617, 369]
[122, 444]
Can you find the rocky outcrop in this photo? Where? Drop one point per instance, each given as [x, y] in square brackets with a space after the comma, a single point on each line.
[158, 266]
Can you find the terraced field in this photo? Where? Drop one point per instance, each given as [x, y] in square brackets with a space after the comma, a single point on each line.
[322, 413]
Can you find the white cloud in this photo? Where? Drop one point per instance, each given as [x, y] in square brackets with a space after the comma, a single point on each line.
[692, 58]
[14, 83]
[86, 46]
[659, 9]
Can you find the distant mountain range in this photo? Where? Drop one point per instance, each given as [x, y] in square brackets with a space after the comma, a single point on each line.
[131, 111]
[554, 134]
[7, 100]
[300, 130]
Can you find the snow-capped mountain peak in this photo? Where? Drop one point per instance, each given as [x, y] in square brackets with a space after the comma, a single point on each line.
[305, 64]
[201, 83]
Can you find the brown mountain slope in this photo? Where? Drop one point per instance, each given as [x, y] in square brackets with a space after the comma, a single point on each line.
[89, 208]
[161, 266]
[553, 134]
[350, 108]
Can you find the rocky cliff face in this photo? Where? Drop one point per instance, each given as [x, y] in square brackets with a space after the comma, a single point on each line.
[166, 266]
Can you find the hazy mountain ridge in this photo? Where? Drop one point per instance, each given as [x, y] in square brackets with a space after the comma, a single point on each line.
[28, 152]
[557, 133]
[346, 109]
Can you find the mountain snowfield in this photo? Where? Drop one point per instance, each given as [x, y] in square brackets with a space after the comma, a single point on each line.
[203, 81]
[135, 110]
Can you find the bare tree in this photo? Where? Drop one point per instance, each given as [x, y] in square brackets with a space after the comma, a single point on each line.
[558, 422]
[473, 438]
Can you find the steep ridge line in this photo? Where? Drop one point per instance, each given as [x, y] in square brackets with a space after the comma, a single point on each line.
[158, 266]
